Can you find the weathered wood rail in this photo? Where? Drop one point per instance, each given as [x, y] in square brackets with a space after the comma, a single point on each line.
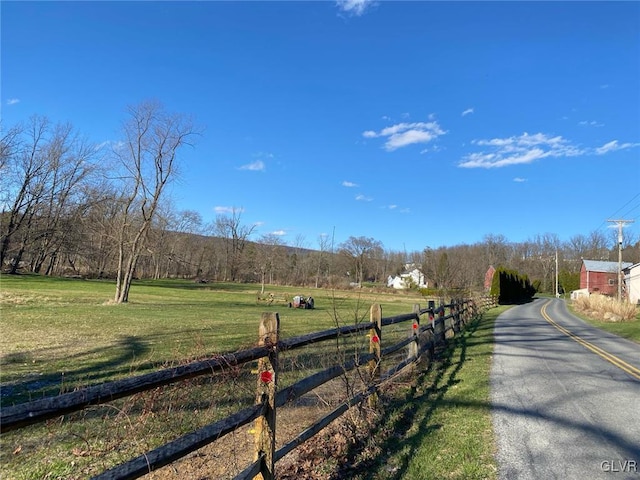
[423, 341]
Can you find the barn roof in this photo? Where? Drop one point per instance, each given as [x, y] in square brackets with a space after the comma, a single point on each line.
[602, 266]
[630, 266]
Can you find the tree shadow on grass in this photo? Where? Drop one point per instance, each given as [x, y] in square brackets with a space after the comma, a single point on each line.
[114, 360]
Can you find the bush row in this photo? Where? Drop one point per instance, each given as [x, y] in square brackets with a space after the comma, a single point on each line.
[511, 287]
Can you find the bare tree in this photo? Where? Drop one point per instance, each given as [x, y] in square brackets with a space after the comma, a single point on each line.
[542, 262]
[268, 251]
[600, 245]
[439, 268]
[235, 236]
[172, 243]
[26, 165]
[42, 166]
[321, 258]
[148, 161]
[360, 250]
[594, 246]
[497, 250]
[9, 144]
[298, 261]
[70, 160]
[99, 226]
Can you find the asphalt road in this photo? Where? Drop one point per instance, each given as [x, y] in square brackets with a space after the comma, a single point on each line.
[565, 397]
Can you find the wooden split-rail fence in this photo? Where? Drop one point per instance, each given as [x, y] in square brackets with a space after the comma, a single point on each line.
[424, 341]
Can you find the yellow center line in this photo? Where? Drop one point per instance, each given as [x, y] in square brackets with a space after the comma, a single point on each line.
[630, 369]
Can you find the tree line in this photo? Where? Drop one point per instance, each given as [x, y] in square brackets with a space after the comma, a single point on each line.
[71, 207]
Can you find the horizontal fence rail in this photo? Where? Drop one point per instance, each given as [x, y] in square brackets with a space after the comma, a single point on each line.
[424, 341]
[37, 411]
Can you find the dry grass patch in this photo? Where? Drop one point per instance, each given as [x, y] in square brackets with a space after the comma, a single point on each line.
[605, 308]
[8, 299]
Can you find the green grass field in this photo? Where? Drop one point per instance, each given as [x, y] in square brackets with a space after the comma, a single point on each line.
[58, 334]
[62, 334]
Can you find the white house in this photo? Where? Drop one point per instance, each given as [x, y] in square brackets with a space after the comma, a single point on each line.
[632, 282]
[413, 277]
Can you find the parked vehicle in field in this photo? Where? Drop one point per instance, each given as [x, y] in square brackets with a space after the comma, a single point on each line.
[302, 302]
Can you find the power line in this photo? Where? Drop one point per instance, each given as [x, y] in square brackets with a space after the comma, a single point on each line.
[618, 210]
[637, 195]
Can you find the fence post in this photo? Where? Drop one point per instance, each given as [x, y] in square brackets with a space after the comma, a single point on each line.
[432, 306]
[265, 426]
[432, 340]
[466, 316]
[414, 347]
[463, 311]
[375, 334]
[439, 331]
[455, 316]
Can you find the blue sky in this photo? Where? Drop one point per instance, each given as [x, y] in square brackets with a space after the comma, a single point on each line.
[414, 123]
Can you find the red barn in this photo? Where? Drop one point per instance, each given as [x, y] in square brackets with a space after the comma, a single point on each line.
[600, 277]
[488, 278]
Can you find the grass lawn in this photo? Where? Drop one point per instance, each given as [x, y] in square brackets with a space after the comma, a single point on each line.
[62, 334]
[58, 334]
[441, 428]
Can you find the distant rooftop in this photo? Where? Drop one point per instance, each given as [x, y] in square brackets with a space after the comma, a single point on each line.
[602, 266]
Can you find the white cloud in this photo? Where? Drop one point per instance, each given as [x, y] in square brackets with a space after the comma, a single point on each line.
[519, 150]
[404, 134]
[613, 146]
[279, 233]
[519, 180]
[349, 184]
[395, 208]
[113, 145]
[592, 123]
[101, 145]
[257, 166]
[13, 101]
[432, 148]
[467, 112]
[402, 139]
[354, 8]
[363, 198]
[226, 210]
[493, 161]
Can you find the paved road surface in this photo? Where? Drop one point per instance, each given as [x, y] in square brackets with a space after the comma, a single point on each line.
[561, 410]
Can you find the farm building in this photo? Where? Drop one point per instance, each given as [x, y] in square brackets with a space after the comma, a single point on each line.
[413, 277]
[488, 278]
[632, 282]
[598, 276]
[575, 294]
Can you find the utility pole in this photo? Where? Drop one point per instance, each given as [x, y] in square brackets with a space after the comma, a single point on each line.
[621, 224]
[557, 292]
